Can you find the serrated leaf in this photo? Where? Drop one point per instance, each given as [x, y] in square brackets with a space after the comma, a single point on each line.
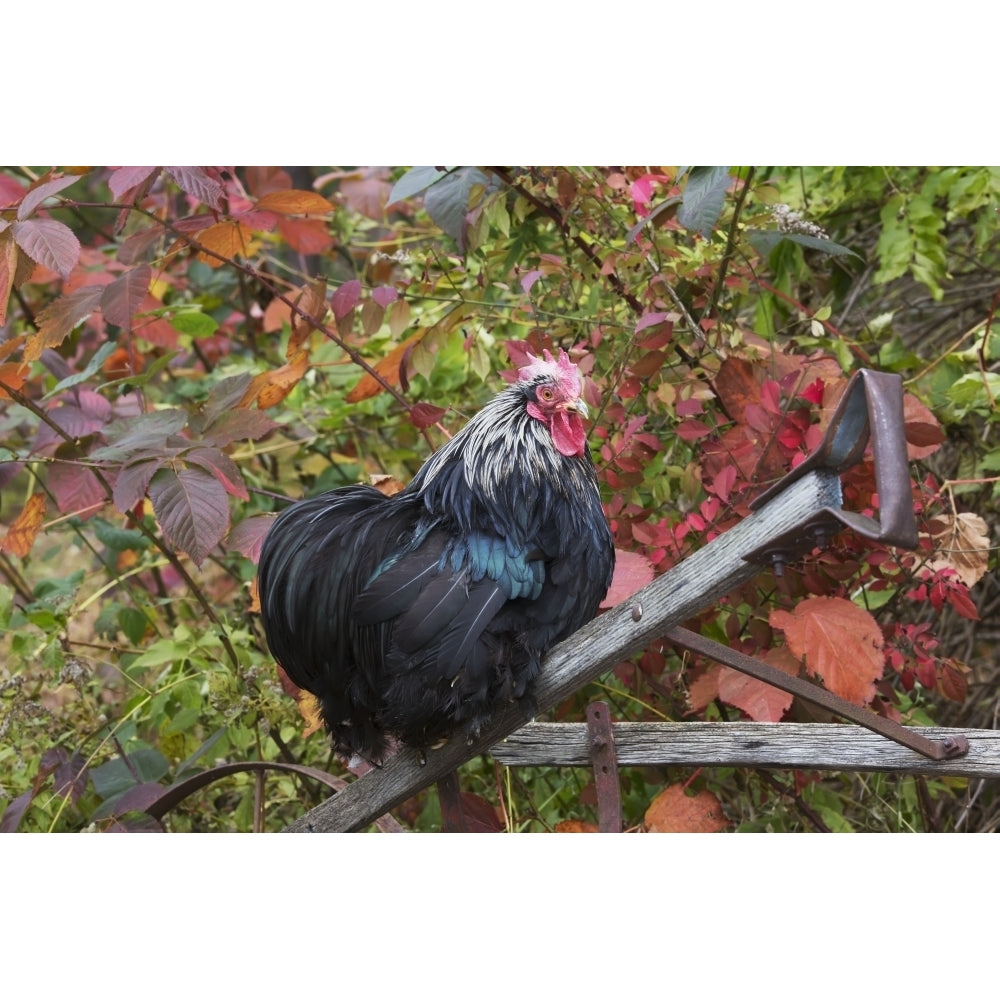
[961, 543]
[248, 536]
[192, 509]
[291, 202]
[139, 433]
[238, 425]
[38, 193]
[49, 243]
[132, 482]
[220, 465]
[140, 245]
[839, 642]
[58, 319]
[632, 572]
[125, 179]
[703, 198]
[198, 183]
[75, 488]
[121, 300]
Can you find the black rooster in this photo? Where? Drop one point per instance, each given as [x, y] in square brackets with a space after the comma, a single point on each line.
[417, 615]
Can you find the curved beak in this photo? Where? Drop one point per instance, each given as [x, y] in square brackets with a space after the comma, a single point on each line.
[577, 406]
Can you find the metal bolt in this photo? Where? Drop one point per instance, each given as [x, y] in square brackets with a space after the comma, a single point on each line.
[636, 612]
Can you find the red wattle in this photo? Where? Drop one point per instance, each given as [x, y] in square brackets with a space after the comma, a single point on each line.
[568, 433]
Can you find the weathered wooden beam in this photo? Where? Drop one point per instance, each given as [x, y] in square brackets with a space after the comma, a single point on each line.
[780, 745]
[693, 585]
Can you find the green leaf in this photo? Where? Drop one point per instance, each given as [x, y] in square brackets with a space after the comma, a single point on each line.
[703, 199]
[765, 240]
[414, 181]
[115, 777]
[195, 324]
[93, 367]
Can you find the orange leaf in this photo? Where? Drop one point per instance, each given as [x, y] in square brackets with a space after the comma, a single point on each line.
[838, 642]
[306, 235]
[388, 368]
[270, 388]
[923, 430]
[227, 239]
[21, 534]
[13, 374]
[673, 811]
[311, 301]
[388, 486]
[574, 826]
[294, 203]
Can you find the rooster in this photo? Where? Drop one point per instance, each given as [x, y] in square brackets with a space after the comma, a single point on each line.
[413, 617]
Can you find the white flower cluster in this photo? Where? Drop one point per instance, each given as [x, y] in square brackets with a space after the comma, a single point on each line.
[789, 221]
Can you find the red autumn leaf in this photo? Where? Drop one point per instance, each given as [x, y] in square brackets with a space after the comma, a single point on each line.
[40, 191]
[425, 414]
[191, 508]
[761, 702]
[692, 429]
[22, 533]
[632, 572]
[923, 430]
[121, 300]
[309, 236]
[248, 536]
[674, 811]
[737, 386]
[839, 642]
[367, 192]
[49, 243]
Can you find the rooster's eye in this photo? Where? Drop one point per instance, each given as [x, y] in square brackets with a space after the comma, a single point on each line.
[547, 395]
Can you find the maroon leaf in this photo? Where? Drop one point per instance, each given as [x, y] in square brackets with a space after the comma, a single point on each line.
[222, 467]
[425, 415]
[71, 776]
[139, 246]
[198, 183]
[132, 483]
[345, 298]
[37, 195]
[385, 295]
[239, 425]
[123, 297]
[138, 798]
[75, 488]
[49, 243]
[15, 811]
[192, 509]
[58, 319]
[248, 536]
[126, 179]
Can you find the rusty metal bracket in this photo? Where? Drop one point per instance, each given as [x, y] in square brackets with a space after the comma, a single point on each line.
[870, 409]
[602, 754]
[953, 746]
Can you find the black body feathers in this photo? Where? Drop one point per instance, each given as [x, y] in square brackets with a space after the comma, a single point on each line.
[416, 615]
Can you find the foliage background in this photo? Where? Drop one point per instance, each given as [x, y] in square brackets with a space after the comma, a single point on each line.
[184, 346]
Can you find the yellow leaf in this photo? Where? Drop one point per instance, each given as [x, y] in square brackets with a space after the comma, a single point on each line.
[310, 711]
[22, 533]
[295, 203]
